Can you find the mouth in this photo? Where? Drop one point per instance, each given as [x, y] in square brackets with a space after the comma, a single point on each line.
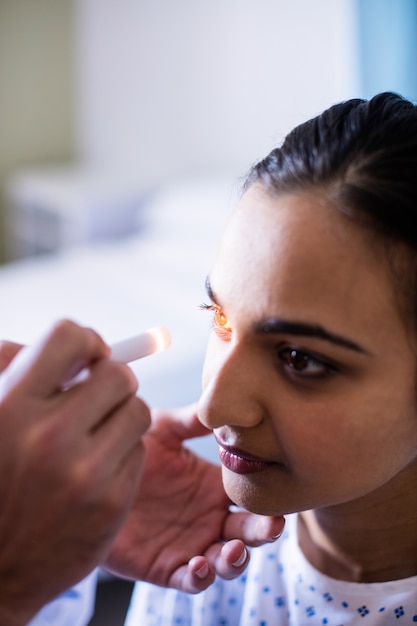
[241, 462]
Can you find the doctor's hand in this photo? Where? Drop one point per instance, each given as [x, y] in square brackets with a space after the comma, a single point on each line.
[70, 464]
[180, 532]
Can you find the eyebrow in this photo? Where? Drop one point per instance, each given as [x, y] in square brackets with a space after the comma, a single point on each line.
[275, 325]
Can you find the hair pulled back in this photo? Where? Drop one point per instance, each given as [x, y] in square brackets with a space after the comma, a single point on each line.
[363, 155]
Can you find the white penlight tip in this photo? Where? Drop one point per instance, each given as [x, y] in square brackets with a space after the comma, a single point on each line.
[149, 342]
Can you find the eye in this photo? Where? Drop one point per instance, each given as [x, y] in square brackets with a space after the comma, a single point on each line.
[303, 364]
[221, 324]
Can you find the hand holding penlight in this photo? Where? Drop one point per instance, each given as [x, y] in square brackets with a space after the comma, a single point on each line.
[153, 340]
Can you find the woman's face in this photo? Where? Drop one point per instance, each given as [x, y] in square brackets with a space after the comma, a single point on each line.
[309, 378]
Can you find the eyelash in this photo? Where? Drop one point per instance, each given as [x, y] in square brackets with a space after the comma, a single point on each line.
[290, 356]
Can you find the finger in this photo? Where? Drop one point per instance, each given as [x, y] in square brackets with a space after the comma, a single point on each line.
[95, 400]
[232, 560]
[121, 433]
[225, 560]
[183, 423]
[253, 530]
[228, 560]
[194, 577]
[60, 354]
[8, 351]
[127, 478]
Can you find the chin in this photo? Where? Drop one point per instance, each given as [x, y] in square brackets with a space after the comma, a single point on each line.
[248, 496]
[246, 492]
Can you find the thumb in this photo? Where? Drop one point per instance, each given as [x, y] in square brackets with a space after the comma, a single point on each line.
[179, 424]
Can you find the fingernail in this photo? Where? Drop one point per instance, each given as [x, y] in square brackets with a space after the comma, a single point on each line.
[275, 537]
[241, 560]
[203, 571]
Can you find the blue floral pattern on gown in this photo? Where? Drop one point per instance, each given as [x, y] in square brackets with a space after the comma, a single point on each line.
[279, 588]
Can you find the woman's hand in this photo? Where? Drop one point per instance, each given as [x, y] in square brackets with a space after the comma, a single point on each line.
[178, 530]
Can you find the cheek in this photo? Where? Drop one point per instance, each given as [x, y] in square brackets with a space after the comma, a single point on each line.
[356, 449]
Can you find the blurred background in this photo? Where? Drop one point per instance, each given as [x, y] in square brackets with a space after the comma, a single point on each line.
[102, 101]
[125, 128]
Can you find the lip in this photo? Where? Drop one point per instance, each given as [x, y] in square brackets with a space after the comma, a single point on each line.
[241, 462]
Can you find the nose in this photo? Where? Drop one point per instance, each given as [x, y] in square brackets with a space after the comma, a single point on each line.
[231, 388]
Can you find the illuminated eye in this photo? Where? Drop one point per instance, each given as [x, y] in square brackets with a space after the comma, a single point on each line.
[220, 319]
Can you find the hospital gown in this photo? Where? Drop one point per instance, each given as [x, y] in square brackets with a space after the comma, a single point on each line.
[279, 588]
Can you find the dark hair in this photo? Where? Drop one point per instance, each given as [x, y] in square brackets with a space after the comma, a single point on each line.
[363, 154]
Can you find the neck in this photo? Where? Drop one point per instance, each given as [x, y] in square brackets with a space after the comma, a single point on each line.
[364, 541]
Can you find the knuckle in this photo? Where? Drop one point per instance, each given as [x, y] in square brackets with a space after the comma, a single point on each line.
[65, 333]
[121, 376]
[45, 439]
[137, 417]
[134, 468]
[142, 414]
[88, 484]
[91, 484]
[76, 338]
[84, 478]
[64, 328]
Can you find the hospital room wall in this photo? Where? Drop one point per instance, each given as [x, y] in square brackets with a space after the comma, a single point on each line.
[159, 90]
[36, 87]
[183, 88]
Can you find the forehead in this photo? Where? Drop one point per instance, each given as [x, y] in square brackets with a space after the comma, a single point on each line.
[296, 255]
